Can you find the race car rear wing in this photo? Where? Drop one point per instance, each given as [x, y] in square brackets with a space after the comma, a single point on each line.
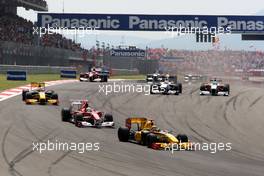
[78, 101]
[135, 120]
[39, 85]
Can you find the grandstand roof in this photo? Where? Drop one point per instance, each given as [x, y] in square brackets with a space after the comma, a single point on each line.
[38, 5]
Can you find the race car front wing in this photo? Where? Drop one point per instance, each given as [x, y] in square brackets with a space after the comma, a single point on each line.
[218, 93]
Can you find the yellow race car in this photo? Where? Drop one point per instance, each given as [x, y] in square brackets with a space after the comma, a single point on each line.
[38, 95]
[145, 132]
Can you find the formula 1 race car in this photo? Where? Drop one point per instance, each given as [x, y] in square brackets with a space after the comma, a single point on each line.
[145, 132]
[96, 74]
[214, 88]
[168, 86]
[82, 115]
[38, 95]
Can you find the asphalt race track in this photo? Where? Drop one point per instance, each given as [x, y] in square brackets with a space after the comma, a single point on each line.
[237, 119]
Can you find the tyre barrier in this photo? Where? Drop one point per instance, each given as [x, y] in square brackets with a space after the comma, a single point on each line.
[16, 75]
[68, 74]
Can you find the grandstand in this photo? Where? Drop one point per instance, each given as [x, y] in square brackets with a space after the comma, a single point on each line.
[18, 44]
[210, 61]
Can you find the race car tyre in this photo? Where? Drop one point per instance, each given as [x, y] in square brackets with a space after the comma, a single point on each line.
[144, 137]
[123, 134]
[177, 89]
[151, 138]
[227, 88]
[182, 138]
[50, 92]
[104, 79]
[24, 94]
[65, 114]
[202, 88]
[33, 93]
[54, 96]
[29, 95]
[108, 118]
[78, 124]
[78, 119]
[180, 88]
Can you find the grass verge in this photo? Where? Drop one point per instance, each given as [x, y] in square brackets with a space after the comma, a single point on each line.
[129, 77]
[4, 84]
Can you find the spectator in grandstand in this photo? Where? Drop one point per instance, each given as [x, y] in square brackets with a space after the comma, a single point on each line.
[58, 41]
[212, 60]
[16, 29]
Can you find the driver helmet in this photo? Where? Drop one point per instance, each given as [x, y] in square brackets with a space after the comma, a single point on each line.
[88, 109]
[149, 125]
[93, 69]
[40, 89]
[155, 128]
[166, 80]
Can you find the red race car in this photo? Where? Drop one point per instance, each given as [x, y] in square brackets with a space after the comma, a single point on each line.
[95, 74]
[82, 115]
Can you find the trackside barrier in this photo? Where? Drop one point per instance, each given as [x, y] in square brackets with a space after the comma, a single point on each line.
[16, 75]
[68, 74]
[30, 69]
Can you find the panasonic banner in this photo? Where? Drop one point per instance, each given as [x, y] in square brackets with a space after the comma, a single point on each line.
[134, 22]
[127, 53]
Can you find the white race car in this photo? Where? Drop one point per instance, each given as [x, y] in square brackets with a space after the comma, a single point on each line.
[215, 87]
[168, 86]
